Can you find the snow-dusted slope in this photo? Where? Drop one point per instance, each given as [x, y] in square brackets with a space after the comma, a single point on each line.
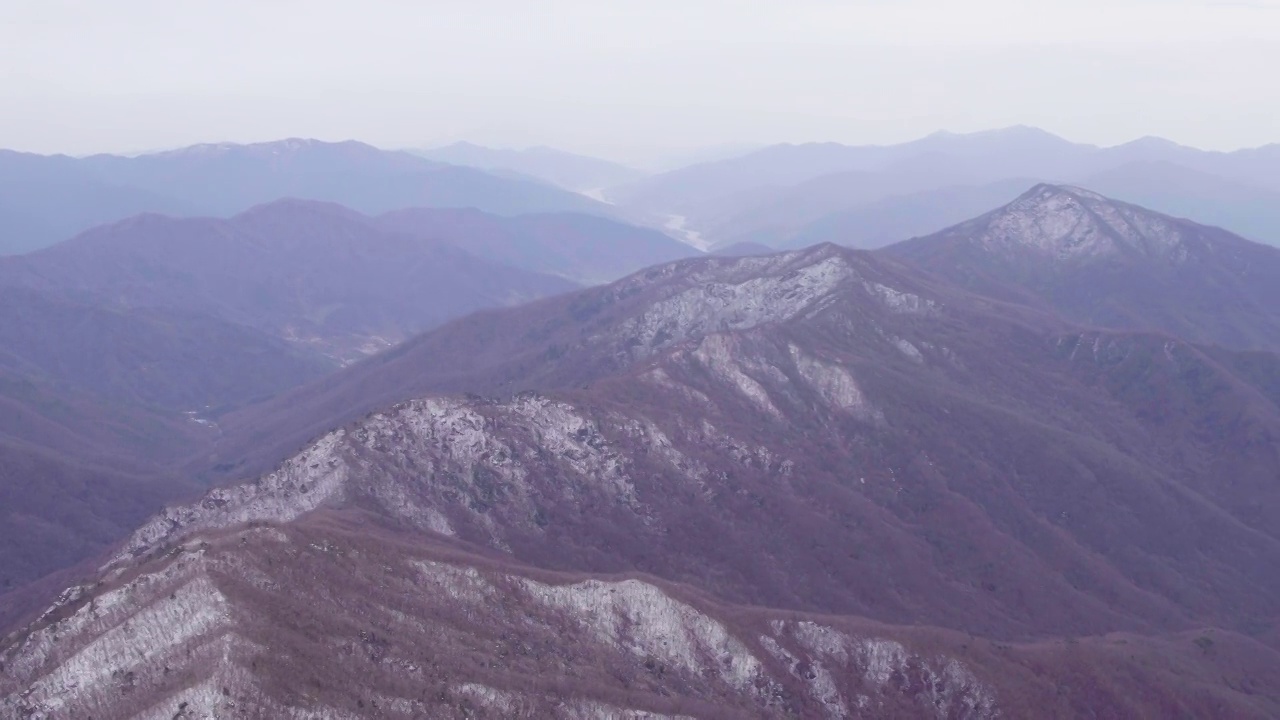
[1067, 223]
[397, 633]
[823, 432]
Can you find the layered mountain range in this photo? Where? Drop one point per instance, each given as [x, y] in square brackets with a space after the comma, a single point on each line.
[315, 274]
[122, 348]
[790, 196]
[47, 199]
[1022, 468]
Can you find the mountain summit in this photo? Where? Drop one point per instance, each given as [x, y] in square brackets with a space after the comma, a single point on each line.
[1108, 263]
[1073, 224]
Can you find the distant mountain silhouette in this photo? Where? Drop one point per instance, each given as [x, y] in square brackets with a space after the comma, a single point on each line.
[48, 199]
[781, 215]
[771, 195]
[991, 156]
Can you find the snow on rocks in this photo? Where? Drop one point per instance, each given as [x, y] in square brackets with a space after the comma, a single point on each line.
[1071, 223]
[836, 386]
[736, 300]
[647, 622]
[301, 484]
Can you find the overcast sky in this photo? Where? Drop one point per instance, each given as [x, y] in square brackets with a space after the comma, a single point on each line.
[631, 79]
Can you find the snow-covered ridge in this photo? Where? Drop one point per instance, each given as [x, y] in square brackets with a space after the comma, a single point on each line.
[741, 297]
[176, 636]
[849, 676]
[436, 463]
[302, 483]
[641, 619]
[85, 663]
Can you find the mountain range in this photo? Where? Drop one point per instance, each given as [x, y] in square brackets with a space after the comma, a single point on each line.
[122, 349]
[1025, 467]
[315, 274]
[47, 199]
[792, 195]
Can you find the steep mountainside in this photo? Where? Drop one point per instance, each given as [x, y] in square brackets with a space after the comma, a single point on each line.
[96, 408]
[567, 170]
[77, 473]
[387, 624]
[1111, 264]
[823, 432]
[47, 199]
[582, 248]
[56, 509]
[317, 275]
[894, 405]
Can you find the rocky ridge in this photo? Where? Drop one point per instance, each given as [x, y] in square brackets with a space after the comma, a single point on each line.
[751, 428]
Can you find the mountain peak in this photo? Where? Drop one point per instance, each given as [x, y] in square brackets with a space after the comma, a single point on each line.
[1105, 263]
[1072, 223]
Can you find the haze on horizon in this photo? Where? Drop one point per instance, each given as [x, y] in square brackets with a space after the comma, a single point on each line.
[629, 80]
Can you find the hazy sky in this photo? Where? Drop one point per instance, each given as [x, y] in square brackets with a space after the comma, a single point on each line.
[629, 79]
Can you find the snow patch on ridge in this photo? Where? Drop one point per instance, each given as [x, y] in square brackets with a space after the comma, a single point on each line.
[194, 610]
[643, 619]
[1071, 223]
[948, 688]
[716, 305]
[835, 385]
[299, 485]
[901, 302]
